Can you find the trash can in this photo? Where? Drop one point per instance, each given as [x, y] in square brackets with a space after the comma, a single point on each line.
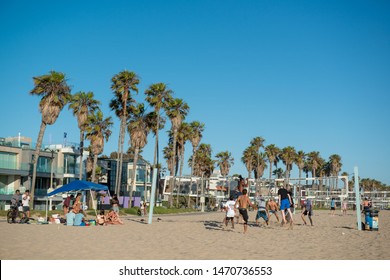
[372, 219]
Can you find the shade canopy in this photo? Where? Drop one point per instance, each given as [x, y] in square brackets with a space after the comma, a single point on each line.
[79, 185]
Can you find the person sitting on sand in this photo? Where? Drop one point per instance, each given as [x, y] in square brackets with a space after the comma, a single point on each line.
[100, 220]
[112, 218]
[70, 218]
[77, 204]
[79, 219]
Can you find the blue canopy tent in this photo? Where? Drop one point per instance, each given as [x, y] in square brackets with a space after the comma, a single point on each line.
[77, 186]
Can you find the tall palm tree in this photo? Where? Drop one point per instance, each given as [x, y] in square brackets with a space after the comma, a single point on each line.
[196, 135]
[335, 162]
[278, 173]
[138, 127]
[55, 94]
[183, 136]
[272, 153]
[176, 111]
[157, 96]
[300, 162]
[98, 130]
[261, 165]
[122, 84]
[313, 160]
[225, 161]
[83, 104]
[248, 157]
[288, 155]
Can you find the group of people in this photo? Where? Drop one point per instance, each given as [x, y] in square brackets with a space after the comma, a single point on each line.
[238, 203]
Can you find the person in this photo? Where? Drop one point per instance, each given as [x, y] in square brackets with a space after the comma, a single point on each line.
[307, 210]
[115, 203]
[261, 209]
[67, 203]
[15, 199]
[77, 204]
[285, 203]
[345, 207]
[230, 211]
[100, 218]
[243, 202]
[145, 209]
[236, 195]
[292, 206]
[70, 216]
[79, 219]
[272, 208]
[26, 203]
[332, 206]
[366, 204]
[112, 218]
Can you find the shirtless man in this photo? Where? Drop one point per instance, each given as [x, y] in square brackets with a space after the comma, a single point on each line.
[272, 208]
[243, 202]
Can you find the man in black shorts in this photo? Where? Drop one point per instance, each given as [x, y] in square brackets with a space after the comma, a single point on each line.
[243, 202]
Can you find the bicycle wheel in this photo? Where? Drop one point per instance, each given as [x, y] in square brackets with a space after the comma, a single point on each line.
[9, 216]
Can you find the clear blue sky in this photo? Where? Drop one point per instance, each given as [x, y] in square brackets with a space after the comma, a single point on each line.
[310, 74]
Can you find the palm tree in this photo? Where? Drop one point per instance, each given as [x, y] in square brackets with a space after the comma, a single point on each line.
[157, 96]
[98, 130]
[225, 161]
[248, 156]
[122, 84]
[55, 94]
[83, 104]
[278, 173]
[335, 162]
[313, 160]
[300, 162]
[272, 153]
[176, 111]
[288, 155]
[183, 136]
[139, 127]
[196, 135]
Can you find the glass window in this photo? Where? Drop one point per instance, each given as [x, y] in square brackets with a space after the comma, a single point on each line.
[8, 160]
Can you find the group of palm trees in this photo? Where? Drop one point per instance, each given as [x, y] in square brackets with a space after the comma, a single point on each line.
[134, 118]
[55, 94]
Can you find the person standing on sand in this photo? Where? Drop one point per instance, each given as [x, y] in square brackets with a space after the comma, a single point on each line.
[261, 209]
[332, 206]
[272, 208]
[285, 203]
[243, 202]
[26, 203]
[345, 207]
[229, 208]
[307, 210]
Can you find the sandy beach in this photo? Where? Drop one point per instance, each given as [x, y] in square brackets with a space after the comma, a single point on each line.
[199, 236]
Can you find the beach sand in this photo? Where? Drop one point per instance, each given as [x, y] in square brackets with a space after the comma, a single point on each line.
[199, 236]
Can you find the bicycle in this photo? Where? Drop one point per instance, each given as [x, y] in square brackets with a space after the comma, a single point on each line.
[14, 215]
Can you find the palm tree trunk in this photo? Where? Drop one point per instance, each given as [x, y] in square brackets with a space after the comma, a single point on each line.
[35, 161]
[155, 160]
[81, 154]
[180, 173]
[173, 164]
[123, 126]
[270, 169]
[118, 160]
[95, 158]
[133, 176]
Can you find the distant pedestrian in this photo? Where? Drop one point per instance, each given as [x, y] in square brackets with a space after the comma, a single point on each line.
[345, 207]
[26, 203]
[115, 203]
[332, 206]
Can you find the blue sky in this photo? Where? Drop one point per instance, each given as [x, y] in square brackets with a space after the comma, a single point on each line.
[308, 74]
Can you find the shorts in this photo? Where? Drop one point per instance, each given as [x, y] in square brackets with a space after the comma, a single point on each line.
[261, 214]
[26, 208]
[229, 218]
[308, 212]
[285, 204]
[273, 211]
[115, 208]
[332, 208]
[244, 214]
